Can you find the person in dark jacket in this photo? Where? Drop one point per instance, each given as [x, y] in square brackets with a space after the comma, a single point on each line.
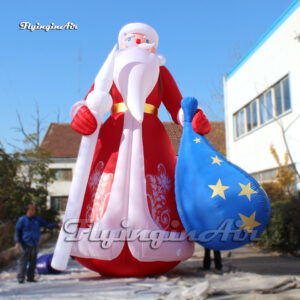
[27, 236]
[207, 260]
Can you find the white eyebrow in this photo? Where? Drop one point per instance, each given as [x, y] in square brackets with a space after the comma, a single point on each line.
[129, 35]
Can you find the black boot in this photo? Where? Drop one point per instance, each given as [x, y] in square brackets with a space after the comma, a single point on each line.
[218, 260]
[206, 260]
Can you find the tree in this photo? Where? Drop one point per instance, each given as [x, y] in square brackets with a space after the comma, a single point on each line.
[285, 178]
[24, 179]
[9, 165]
[284, 130]
[35, 174]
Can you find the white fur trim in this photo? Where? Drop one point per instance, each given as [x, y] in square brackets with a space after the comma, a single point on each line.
[139, 28]
[76, 106]
[162, 59]
[180, 115]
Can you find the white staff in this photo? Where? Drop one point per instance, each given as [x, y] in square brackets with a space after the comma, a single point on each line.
[99, 102]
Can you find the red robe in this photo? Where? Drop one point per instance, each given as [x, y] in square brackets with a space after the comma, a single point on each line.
[159, 162]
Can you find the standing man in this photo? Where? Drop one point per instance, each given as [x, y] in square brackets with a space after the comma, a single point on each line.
[27, 236]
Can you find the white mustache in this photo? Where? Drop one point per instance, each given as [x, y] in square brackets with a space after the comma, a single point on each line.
[135, 74]
[143, 45]
[146, 45]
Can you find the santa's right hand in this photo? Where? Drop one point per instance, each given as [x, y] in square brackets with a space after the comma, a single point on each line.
[99, 103]
[84, 121]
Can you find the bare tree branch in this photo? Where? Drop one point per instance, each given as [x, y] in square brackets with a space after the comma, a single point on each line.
[34, 139]
[23, 131]
[15, 147]
[286, 129]
[283, 129]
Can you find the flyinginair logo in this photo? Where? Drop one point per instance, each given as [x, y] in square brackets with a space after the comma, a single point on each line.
[228, 230]
[52, 26]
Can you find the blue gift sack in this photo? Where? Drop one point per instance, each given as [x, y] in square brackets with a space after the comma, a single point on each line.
[220, 205]
[43, 265]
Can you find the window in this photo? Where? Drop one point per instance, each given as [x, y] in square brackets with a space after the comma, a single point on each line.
[239, 123]
[59, 202]
[262, 108]
[278, 98]
[254, 114]
[63, 203]
[54, 203]
[249, 123]
[286, 94]
[269, 105]
[251, 110]
[63, 174]
[274, 101]
[242, 123]
[282, 95]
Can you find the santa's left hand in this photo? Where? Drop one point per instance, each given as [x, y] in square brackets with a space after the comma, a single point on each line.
[199, 123]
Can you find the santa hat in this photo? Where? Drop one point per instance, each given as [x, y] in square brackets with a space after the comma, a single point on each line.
[145, 29]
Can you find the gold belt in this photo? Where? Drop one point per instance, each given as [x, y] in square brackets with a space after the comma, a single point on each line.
[121, 107]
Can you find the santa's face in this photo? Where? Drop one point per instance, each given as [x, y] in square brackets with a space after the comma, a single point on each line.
[138, 40]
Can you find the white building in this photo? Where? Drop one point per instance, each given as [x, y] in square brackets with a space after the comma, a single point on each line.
[262, 95]
[63, 144]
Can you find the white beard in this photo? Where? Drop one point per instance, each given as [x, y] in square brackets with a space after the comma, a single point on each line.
[135, 74]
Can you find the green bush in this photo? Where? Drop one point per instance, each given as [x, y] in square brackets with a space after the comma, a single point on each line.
[283, 230]
[23, 180]
[6, 236]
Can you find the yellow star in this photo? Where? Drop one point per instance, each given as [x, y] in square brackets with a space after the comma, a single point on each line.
[246, 190]
[249, 222]
[216, 160]
[218, 189]
[197, 140]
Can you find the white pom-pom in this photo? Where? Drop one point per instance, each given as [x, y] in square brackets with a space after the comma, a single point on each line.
[99, 102]
[162, 59]
[180, 117]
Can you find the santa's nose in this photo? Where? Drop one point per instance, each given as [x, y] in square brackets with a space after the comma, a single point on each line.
[138, 41]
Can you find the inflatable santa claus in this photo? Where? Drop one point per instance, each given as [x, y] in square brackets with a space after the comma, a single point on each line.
[123, 185]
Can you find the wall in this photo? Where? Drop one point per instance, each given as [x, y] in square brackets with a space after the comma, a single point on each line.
[278, 56]
[60, 188]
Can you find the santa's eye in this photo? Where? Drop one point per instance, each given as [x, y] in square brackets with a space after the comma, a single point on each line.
[147, 41]
[129, 39]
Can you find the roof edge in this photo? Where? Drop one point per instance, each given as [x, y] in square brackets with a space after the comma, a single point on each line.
[284, 16]
[47, 132]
